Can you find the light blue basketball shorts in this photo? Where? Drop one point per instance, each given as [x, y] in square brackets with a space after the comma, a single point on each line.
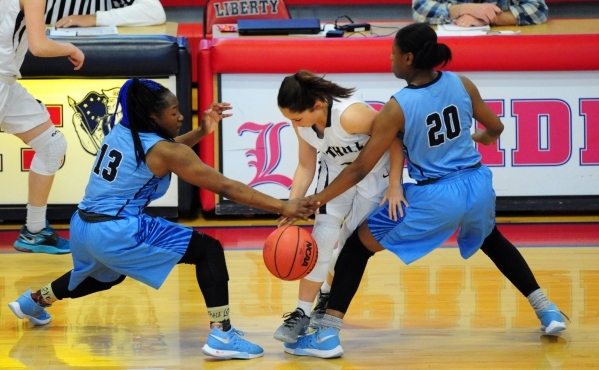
[464, 201]
[142, 247]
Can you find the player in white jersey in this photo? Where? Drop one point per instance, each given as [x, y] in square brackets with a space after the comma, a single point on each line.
[21, 27]
[454, 191]
[332, 127]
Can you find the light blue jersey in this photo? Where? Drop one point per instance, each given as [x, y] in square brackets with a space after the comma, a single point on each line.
[113, 236]
[117, 185]
[454, 191]
[437, 138]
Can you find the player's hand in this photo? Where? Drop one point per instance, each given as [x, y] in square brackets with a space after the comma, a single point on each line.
[77, 57]
[397, 201]
[77, 21]
[483, 137]
[282, 221]
[313, 203]
[296, 208]
[213, 115]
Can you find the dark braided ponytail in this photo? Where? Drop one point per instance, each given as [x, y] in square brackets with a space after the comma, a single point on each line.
[139, 100]
[421, 40]
[300, 91]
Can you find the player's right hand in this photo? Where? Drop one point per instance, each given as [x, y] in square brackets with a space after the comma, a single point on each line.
[77, 57]
[297, 208]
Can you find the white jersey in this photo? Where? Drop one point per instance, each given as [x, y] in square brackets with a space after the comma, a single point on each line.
[13, 38]
[337, 146]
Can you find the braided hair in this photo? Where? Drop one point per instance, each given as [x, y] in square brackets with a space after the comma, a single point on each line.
[139, 100]
[300, 91]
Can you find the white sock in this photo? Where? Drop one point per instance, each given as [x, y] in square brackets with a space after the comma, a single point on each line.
[329, 321]
[538, 300]
[305, 306]
[325, 288]
[36, 218]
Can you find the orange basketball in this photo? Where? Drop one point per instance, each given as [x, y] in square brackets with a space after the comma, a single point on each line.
[290, 252]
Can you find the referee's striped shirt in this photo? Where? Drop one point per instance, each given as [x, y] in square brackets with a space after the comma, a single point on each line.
[57, 9]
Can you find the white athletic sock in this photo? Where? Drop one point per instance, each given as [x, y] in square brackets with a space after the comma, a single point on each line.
[36, 218]
[305, 306]
[325, 288]
[538, 300]
[329, 321]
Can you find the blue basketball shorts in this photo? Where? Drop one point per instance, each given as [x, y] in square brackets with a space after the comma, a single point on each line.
[142, 247]
[463, 201]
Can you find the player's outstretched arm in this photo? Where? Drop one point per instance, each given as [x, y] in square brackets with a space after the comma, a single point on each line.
[166, 157]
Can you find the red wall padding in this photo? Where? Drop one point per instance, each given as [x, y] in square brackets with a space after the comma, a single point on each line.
[491, 53]
[371, 55]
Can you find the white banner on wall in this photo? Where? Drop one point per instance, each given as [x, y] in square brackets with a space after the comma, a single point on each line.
[550, 145]
[81, 109]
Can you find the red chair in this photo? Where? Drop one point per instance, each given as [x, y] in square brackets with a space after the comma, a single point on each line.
[227, 11]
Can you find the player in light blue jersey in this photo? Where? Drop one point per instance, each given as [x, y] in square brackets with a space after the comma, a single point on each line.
[433, 115]
[112, 237]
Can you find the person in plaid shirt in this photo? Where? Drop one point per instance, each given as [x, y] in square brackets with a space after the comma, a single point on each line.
[467, 13]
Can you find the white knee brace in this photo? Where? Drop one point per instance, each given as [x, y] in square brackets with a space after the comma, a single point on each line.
[50, 147]
[325, 233]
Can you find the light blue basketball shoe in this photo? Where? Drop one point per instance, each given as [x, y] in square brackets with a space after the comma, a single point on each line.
[229, 344]
[552, 319]
[319, 343]
[45, 241]
[25, 307]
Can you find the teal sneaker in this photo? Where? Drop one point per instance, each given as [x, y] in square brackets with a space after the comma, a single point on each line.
[46, 241]
[229, 344]
[319, 343]
[552, 319]
[25, 307]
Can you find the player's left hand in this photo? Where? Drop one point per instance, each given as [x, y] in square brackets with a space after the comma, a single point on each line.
[394, 195]
[213, 115]
[77, 21]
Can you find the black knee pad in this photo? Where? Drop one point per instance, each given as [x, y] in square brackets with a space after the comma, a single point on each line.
[207, 252]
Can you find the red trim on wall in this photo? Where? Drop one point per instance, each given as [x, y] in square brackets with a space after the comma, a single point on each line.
[492, 53]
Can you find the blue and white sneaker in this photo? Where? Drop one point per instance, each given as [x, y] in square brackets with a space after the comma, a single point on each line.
[319, 343]
[229, 344]
[46, 241]
[25, 307]
[552, 319]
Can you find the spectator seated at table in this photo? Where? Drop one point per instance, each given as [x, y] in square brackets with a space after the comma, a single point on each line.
[468, 13]
[91, 13]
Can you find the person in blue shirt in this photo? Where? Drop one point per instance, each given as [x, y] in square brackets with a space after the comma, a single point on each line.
[468, 13]
[111, 235]
[433, 116]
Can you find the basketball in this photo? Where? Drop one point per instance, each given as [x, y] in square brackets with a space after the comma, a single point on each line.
[290, 252]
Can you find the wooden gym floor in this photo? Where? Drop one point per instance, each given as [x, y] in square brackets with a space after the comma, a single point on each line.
[439, 312]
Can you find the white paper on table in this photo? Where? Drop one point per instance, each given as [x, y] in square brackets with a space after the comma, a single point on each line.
[81, 31]
[455, 30]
